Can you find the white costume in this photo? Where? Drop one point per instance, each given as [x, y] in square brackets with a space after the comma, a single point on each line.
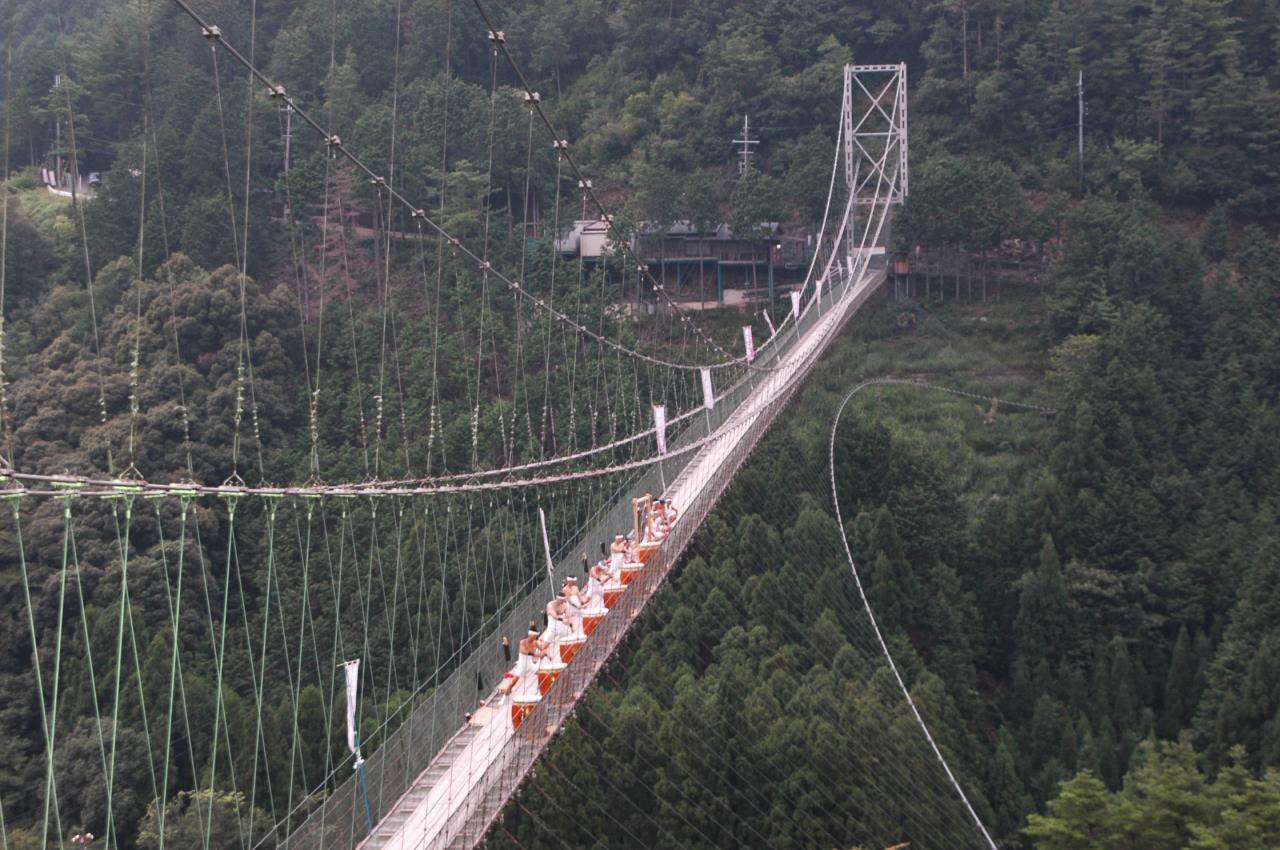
[573, 613]
[527, 671]
[556, 631]
[595, 593]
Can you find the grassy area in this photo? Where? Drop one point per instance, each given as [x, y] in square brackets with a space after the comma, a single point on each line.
[47, 212]
[994, 349]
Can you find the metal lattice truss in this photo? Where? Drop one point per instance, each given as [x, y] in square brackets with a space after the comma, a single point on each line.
[874, 131]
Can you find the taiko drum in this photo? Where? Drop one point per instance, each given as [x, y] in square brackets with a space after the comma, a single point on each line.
[520, 708]
[570, 646]
[547, 675]
[612, 594]
[592, 618]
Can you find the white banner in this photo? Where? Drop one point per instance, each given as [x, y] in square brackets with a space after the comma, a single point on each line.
[660, 423]
[708, 393]
[546, 546]
[750, 343]
[851, 265]
[795, 303]
[352, 669]
[769, 321]
[817, 287]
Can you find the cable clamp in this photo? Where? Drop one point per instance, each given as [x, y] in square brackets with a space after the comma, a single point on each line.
[276, 91]
[455, 242]
[497, 37]
[211, 32]
[532, 97]
[561, 144]
[378, 181]
[485, 265]
[333, 141]
[584, 184]
[420, 214]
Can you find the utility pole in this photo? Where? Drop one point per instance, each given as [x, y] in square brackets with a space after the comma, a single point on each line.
[288, 143]
[57, 134]
[745, 144]
[1080, 127]
[288, 136]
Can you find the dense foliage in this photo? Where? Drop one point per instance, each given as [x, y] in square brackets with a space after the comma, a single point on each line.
[1084, 607]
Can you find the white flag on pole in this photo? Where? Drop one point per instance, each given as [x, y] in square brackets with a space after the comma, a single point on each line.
[352, 669]
[750, 343]
[660, 424]
[708, 393]
[546, 547]
[795, 303]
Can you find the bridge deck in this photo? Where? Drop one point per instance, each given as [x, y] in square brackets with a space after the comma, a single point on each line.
[464, 787]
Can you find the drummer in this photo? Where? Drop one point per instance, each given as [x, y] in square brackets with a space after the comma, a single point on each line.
[596, 581]
[557, 622]
[532, 650]
[656, 527]
[575, 600]
[617, 555]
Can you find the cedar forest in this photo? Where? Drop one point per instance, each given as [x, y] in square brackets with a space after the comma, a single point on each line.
[1084, 605]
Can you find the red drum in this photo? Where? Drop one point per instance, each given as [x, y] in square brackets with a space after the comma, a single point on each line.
[645, 550]
[629, 572]
[612, 593]
[591, 618]
[520, 708]
[547, 675]
[569, 647]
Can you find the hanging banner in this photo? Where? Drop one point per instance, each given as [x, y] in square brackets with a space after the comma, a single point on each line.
[546, 547]
[708, 394]
[751, 346]
[660, 426]
[352, 669]
[769, 321]
[851, 265]
[795, 303]
[817, 287]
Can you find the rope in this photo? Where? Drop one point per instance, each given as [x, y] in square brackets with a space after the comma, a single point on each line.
[336, 145]
[6, 437]
[562, 145]
[906, 694]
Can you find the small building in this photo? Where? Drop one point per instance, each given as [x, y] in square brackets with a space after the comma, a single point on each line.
[682, 256]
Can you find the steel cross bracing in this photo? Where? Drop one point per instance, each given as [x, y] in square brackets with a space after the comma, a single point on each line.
[440, 782]
[875, 128]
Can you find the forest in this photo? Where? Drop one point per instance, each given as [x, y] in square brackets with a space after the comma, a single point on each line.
[1083, 605]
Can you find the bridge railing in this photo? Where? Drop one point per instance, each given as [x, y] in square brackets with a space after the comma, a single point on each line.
[471, 819]
[339, 822]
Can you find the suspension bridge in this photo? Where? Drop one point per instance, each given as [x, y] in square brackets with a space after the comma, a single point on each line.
[474, 549]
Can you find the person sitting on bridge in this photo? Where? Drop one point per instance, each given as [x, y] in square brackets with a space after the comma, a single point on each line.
[669, 512]
[575, 600]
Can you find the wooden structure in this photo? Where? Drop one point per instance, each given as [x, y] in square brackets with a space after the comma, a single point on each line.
[684, 259]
